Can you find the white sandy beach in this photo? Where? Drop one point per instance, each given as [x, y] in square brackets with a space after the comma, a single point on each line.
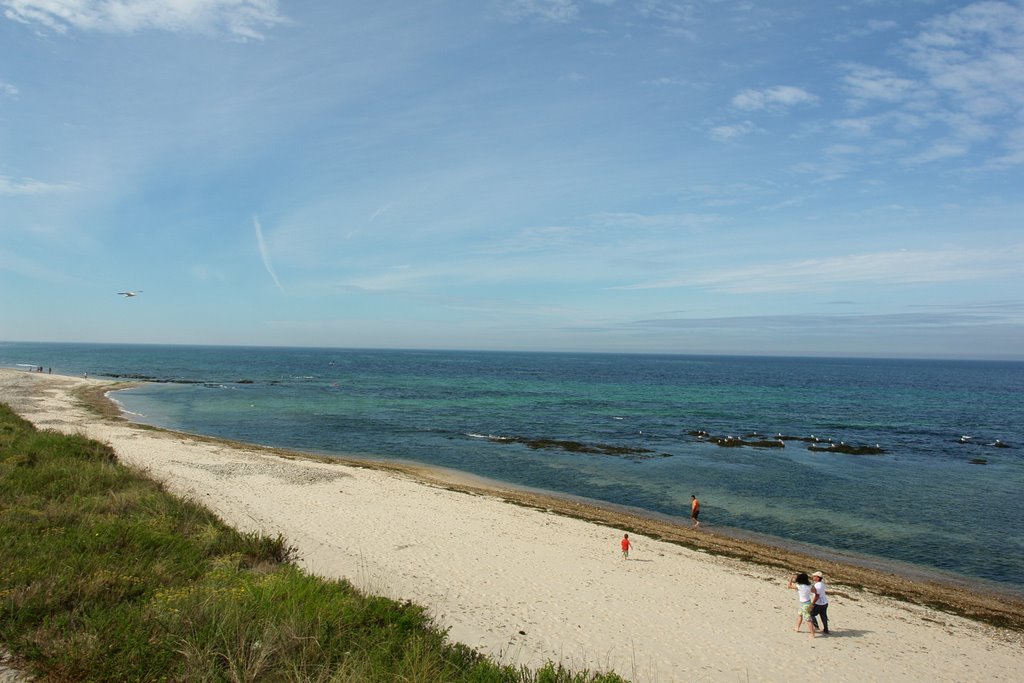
[525, 585]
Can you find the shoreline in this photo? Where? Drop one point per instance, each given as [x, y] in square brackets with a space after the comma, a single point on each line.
[986, 601]
[541, 578]
[990, 603]
[713, 538]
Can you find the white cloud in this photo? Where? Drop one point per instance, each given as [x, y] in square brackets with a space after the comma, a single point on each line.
[772, 98]
[243, 19]
[732, 131]
[558, 11]
[974, 60]
[842, 150]
[962, 85]
[672, 16]
[1015, 150]
[976, 52]
[668, 81]
[876, 26]
[900, 121]
[8, 90]
[870, 83]
[966, 127]
[939, 151]
[26, 186]
[885, 268]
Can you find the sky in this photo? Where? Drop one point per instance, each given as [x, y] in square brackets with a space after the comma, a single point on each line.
[655, 176]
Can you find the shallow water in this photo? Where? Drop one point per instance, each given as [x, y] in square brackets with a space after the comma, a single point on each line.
[922, 501]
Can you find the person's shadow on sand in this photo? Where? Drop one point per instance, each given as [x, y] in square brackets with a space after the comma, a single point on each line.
[844, 633]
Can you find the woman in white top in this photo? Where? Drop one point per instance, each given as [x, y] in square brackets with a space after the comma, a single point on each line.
[802, 584]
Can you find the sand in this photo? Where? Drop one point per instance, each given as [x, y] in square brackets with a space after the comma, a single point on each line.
[526, 578]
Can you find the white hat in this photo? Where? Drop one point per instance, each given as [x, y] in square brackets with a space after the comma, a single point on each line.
[818, 574]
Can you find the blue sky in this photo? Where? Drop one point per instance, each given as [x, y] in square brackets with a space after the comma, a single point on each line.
[799, 178]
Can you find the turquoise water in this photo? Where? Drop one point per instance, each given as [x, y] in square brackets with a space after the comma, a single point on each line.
[927, 499]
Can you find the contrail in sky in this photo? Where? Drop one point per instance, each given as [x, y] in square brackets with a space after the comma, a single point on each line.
[379, 211]
[264, 253]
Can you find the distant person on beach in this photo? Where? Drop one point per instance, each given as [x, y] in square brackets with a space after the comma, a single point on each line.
[819, 602]
[803, 587]
[695, 511]
[626, 545]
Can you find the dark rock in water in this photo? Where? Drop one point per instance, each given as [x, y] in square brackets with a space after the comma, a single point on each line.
[756, 440]
[1000, 444]
[736, 442]
[978, 461]
[753, 439]
[150, 378]
[767, 443]
[578, 447]
[245, 381]
[848, 449]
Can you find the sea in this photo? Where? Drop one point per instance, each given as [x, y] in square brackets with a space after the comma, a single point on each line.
[910, 465]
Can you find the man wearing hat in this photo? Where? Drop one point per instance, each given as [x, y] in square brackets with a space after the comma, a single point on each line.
[819, 602]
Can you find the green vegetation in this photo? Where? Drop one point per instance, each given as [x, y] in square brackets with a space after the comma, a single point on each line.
[104, 576]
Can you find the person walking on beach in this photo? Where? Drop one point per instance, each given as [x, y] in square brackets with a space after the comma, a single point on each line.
[819, 602]
[803, 587]
[626, 545]
[695, 511]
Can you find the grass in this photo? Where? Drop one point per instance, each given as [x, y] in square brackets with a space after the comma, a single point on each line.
[105, 576]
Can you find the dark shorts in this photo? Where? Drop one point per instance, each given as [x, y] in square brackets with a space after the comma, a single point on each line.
[695, 514]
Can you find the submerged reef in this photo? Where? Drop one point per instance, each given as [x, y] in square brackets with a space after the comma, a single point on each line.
[153, 379]
[631, 452]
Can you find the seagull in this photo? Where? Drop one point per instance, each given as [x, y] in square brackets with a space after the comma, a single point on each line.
[128, 295]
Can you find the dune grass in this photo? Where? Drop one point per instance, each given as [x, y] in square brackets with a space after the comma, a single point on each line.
[104, 576]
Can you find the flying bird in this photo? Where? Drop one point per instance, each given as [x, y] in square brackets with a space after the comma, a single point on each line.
[130, 294]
